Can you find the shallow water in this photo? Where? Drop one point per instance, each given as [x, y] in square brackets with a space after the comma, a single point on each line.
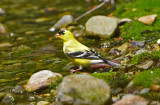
[31, 46]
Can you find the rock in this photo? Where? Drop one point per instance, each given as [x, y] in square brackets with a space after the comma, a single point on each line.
[18, 89]
[141, 51]
[158, 41]
[101, 26]
[155, 87]
[145, 65]
[145, 90]
[123, 48]
[2, 29]
[155, 47]
[124, 20]
[83, 89]
[132, 100]
[43, 103]
[2, 12]
[41, 79]
[138, 43]
[5, 44]
[63, 22]
[149, 19]
[46, 49]
[21, 50]
[2, 95]
[8, 99]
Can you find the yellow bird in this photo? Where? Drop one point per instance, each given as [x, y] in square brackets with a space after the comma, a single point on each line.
[78, 53]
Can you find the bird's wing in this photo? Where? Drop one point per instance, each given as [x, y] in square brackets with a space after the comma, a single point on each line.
[82, 54]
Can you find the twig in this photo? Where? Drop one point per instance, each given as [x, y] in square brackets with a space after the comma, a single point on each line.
[100, 5]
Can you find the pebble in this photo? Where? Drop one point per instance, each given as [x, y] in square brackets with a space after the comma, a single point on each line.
[2, 29]
[155, 87]
[63, 22]
[145, 90]
[101, 26]
[149, 19]
[5, 44]
[130, 99]
[8, 99]
[141, 51]
[83, 89]
[43, 103]
[158, 41]
[138, 43]
[124, 20]
[41, 79]
[145, 65]
[18, 89]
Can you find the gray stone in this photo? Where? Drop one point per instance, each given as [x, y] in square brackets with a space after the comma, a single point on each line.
[145, 65]
[132, 100]
[2, 95]
[83, 89]
[138, 43]
[101, 26]
[63, 22]
[41, 79]
[145, 90]
[18, 89]
[8, 99]
[43, 103]
[141, 51]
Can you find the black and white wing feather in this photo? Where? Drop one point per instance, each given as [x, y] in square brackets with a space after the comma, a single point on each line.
[82, 54]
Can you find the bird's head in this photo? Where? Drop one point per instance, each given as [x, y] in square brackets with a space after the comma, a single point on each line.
[65, 35]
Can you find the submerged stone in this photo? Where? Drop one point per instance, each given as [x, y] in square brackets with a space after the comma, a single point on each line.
[8, 99]
[83, 89]
[63, 22]
[101, 26]
[41, 80]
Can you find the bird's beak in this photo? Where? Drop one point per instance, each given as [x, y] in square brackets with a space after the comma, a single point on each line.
[58, 35]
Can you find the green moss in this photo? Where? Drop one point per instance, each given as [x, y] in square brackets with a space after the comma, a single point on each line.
[55, 84]
[146, 78]
[143, 56]
[133, 30]
[114, 79]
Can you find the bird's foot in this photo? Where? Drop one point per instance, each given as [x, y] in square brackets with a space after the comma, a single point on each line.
[75, 69]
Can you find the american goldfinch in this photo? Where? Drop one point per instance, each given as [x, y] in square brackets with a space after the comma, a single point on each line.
[78, 53]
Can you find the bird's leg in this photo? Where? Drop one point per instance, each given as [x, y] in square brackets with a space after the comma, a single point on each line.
[75, 69]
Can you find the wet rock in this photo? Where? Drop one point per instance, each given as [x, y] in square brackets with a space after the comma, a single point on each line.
[145, 65]
[124, 20]
[132, 100]
[63, 22]
[46, 49]
[5, 44]
[101, 26]
[141, 51]
[138, 43]
[2, 12]
[8, 99]
[2, 29]
[18, 89]
[155, 87]
[83, 89]
[43, 103]
[2, 94]
[21, 50]
[145, 90]
[149, 19]
[41, 79]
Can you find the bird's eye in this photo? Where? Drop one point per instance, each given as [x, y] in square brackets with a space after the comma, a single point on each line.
[61, 32]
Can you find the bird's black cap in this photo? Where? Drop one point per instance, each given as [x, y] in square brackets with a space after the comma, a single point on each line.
[61, 32]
